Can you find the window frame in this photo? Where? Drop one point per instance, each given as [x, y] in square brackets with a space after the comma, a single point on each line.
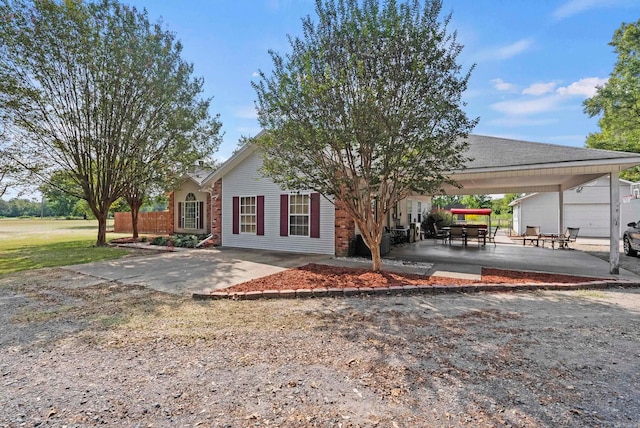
[243, 216]
[291, 214]
[191, 206]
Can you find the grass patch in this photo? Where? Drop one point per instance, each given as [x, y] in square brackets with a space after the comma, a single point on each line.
[55, 254]
[38, 243]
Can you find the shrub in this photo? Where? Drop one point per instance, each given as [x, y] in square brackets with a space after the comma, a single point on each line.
[161, 240]
[186, 241]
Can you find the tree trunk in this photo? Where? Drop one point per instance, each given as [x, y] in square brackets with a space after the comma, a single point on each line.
[134, 198]
[134, 222]
[102, 229]
[135, 210]
[376, 259]
[373, 242]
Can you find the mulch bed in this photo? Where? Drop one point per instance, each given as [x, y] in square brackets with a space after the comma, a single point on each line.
[314, 276]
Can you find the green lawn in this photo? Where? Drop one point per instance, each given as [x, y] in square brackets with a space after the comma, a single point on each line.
[37, 243]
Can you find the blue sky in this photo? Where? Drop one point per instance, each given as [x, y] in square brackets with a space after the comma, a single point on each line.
[536, 61]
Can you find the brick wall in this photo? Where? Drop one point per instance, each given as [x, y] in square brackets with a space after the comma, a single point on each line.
[344, 231]
[208, 208]
[216, 212]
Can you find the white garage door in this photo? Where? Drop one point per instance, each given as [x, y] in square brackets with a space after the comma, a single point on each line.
[592, 219]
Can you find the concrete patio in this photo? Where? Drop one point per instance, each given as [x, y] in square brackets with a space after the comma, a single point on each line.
[507, 254]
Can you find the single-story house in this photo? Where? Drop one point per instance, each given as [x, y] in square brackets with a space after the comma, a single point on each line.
[585, 206]
[241, 208]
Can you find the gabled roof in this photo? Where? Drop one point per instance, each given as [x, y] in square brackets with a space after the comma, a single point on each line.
[501, 165]
[198, 175]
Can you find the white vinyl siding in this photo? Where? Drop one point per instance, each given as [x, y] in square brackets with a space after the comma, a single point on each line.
[245, 179]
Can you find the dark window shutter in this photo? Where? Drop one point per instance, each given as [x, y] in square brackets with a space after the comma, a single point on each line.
[260, 215]
[236, 215]
[284, 215]
[201, 221]
[180, 219]
[314, 232]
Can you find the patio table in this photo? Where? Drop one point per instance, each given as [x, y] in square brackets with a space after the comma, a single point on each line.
[482, 233]
[551, 237]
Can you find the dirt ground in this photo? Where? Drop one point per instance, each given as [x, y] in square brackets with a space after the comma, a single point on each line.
[77, 353]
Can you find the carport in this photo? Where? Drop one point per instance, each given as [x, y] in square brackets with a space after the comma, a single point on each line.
[500, 165]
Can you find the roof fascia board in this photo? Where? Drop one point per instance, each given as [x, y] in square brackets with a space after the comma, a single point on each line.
[619, 164]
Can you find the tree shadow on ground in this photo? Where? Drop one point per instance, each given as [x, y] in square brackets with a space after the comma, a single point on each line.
[533, 359]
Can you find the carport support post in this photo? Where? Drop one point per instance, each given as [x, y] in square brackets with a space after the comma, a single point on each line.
[560, 210]
[614, 233]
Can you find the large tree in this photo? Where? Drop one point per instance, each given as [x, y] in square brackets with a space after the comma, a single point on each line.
[11, 174]
[366, 107]
[94, 89]
[618, 100]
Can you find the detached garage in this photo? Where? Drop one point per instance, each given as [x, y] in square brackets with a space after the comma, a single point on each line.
[585, 206]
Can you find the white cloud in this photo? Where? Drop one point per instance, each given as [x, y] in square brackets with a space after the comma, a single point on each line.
[540, 88]
[517, 122]
[505, 52]
[585, 87]
[246, 112]
[255, 74]
[501, 85]
[523, 107]
[574, 7]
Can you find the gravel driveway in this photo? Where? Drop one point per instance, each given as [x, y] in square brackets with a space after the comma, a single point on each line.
[77, 353]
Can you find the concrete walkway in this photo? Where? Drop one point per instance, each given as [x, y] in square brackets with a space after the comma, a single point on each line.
[187, 271]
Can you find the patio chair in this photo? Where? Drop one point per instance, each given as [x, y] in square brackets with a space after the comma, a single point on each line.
[570, 235]
[457, 232]
[532, 235]
[440, 234]
[473, 233]
[491, 236]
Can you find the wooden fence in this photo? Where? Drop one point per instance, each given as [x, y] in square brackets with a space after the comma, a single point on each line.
[151, 222]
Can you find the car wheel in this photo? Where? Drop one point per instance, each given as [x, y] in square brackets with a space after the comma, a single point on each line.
[627, 248]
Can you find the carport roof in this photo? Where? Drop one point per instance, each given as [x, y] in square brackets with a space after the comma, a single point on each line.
[494, 152]
[501, 165]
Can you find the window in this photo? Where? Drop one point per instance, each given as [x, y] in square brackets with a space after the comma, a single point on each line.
[409, 211]
[248, 214]
[191, 212]
[419, 212]
[299, 215]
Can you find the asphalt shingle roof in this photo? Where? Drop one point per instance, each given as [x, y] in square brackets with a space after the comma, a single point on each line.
[491, 152]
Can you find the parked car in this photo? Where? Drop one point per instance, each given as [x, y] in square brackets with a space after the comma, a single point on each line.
[631, 239]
